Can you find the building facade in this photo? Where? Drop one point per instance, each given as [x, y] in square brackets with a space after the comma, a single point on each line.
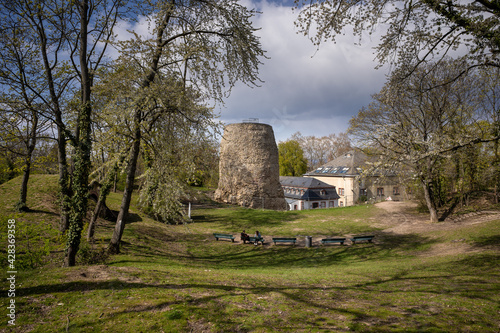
[308, 193]
[346, 174]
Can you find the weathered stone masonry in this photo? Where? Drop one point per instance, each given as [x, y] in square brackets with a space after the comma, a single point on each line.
[249, 167]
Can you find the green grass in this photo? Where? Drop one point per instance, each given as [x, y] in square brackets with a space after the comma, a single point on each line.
[177, 278]
[315, 222]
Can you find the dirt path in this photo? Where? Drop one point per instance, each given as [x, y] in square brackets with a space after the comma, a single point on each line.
[402, 218]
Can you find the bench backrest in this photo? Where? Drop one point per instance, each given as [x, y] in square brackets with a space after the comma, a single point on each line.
[222, 235]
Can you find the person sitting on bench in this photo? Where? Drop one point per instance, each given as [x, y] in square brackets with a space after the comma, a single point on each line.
[257, 237]
[244, 237]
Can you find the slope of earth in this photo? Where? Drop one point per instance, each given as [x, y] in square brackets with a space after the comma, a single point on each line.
[402, 218]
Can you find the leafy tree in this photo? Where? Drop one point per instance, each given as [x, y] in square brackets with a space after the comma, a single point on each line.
[21, 127]
[175, 142]
[420, 124]
[94, 25]
[291, 159]
[7, 167]
[206, 162]
[36, 35]
[69, 40]
[415, 31]
[21, 109]
[319, 150]
[103, 194]
[205, 45]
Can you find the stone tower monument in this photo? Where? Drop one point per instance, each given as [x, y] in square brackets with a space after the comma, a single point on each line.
[249, 167]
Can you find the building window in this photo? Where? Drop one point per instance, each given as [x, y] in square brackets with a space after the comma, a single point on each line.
[395, 190]
[341, 203]
[380, 191]
[330, 204]
[323, 204]
[322, 192]
[341, 191]
[294, 207]
[363, 191]
[315, 205]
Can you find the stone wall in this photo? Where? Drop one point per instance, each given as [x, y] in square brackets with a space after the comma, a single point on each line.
[249, 167]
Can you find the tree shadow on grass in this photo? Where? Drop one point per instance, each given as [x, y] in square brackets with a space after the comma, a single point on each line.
[485, 261]
[228, 255]
[197, 302]
[200, 250]
[205, 298]
[40, 211]
[488, 241]
[133, 217]
[403, 242]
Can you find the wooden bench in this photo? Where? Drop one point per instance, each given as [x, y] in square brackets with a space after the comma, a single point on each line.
[224, 236]
[284, 240]
[332, 241]
[362, 238]
[256, 240]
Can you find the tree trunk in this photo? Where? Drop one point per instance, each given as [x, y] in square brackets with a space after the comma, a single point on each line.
[496, 194]
[22, 205]
[496, 168]
[64, 187]
[103, 194]
[114, 246]
[429, 200]
[80, 189]
[93, 220]
[83, 148]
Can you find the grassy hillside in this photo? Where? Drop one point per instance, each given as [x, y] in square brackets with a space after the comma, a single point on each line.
[177, 278]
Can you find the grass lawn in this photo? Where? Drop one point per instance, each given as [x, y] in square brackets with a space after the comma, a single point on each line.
[177, 278]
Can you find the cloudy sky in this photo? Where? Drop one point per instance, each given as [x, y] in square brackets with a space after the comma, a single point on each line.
[312, 91]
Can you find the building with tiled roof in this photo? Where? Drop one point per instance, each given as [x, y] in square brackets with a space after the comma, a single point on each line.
[308, 193]
[346, 174]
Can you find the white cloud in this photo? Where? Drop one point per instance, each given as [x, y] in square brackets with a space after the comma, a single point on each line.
[122, 30]
[312, 91]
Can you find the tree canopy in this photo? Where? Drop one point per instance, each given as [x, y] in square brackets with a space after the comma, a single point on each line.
[419, 125]
[319, 150]
[149, 112]
[412, 31]
[198, 51]
[291, 159]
